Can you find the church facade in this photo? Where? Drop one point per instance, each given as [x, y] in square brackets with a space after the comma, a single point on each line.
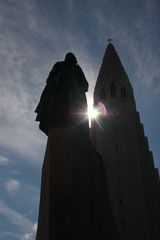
[118, 136]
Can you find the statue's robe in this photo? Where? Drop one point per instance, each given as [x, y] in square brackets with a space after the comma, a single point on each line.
[63, 99]
[74, 203]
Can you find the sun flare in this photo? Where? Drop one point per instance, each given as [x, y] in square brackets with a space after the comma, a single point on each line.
[95, 113]
[92, 112]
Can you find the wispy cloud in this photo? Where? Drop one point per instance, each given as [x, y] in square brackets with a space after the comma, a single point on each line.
[4, 234]
[24, 224]
[4, 161]
[136, 34]
[15, 172]
[19, 86]
[35, 38]
[23, 77]
[12, 186]
[28, 213]
[31, 235]
[19, 224]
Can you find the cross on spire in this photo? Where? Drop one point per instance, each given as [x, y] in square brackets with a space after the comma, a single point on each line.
[109, 40]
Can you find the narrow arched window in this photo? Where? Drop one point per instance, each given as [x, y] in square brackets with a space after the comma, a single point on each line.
[113, 90]
[123, 92]
[102, 94]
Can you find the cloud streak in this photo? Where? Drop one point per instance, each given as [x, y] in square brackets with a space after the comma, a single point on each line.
[39, 34]
[134, 28]
[24, 224]
[12, 186]
[4, 161]
[23, 76]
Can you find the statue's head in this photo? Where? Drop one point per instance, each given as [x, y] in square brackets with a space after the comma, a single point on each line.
[70, 58]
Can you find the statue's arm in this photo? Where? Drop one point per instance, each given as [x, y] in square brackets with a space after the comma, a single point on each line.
[82, 79]
[50, 82]
[52, 75]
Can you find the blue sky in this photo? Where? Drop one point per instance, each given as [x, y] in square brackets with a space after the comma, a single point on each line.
[34, 35]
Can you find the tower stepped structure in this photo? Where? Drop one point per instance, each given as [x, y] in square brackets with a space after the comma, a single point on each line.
[118, 136]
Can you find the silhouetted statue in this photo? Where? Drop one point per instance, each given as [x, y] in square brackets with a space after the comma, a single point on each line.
[63, 100]
[74, 202]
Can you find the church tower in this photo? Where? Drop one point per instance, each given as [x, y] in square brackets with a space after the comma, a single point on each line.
[118, 136]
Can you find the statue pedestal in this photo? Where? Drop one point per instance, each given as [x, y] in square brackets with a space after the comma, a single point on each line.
[55, 202]
[74, 204]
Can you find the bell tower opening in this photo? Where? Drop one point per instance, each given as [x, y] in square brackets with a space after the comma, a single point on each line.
[123, 92]
[113, 90]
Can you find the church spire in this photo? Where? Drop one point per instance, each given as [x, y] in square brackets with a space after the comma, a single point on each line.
[118, 136]
[111, 68]
[112, 78]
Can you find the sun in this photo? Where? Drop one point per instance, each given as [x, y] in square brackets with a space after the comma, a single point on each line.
[92, 112]
[96, 113]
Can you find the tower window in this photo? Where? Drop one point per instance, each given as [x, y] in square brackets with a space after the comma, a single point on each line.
[102, 94]
[123, 92]
[113, 90]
